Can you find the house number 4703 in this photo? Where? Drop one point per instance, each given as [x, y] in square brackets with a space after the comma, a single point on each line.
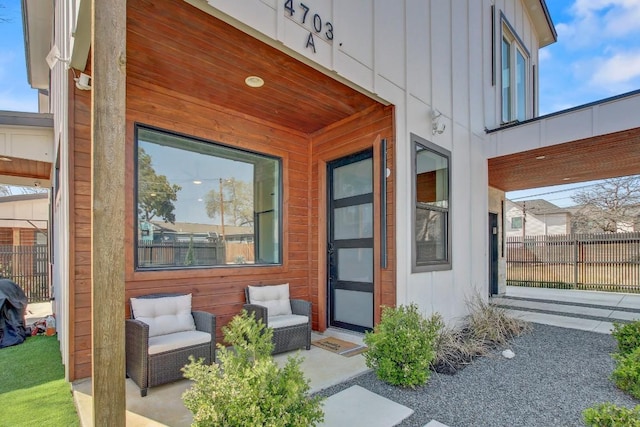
[312, 22]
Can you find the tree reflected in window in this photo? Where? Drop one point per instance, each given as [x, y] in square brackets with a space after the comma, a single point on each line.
[204, 204]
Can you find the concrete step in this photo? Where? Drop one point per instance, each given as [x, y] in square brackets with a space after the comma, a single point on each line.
[590, 311]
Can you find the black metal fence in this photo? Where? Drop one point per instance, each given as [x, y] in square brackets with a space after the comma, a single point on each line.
[608, 262]
[28, 266]
[178, 254]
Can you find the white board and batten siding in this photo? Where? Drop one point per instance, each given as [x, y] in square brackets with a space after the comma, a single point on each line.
[418, 55]
[591, 120]
[66, 18]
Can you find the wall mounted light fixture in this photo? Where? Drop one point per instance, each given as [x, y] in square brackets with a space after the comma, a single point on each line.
[83, 82]
[437, 127]
[53, 57]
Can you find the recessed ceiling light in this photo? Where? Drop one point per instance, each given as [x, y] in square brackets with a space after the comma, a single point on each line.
[5, 159]
[254, 81]
[566, 179]
[541, 157]
[197, 182]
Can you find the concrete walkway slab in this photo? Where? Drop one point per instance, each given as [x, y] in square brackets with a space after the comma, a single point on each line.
[324, 368]
[549, 306]
[357, 406]
[37, 311]
[608, 299]
[434, 423]
[563, 321]
[630, 301]
[624, 315]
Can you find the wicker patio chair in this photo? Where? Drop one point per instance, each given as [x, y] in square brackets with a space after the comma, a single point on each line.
[290, 331]
[170, 351]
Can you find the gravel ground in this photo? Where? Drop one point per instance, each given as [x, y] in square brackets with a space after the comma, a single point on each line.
[555, 374]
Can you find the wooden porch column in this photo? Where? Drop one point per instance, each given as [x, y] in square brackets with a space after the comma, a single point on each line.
[108, 59]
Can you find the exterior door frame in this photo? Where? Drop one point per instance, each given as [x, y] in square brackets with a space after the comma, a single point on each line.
[494, 246]
[322, 279]
[333, 247]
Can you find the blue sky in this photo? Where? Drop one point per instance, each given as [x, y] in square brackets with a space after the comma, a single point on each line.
[597, 56]
[15, 93]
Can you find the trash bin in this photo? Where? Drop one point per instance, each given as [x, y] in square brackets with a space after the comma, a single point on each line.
[13, 303]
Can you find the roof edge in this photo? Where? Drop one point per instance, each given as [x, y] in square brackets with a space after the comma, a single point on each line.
[19, 118]
[552, 27]
[21, 197]
[568, 110]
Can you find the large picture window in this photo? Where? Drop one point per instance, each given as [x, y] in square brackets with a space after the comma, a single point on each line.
[201, 204]
[514, 76]
[432, 235]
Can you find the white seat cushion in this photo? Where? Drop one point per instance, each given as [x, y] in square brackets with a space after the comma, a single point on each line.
[274, 297]
[164, 315]
[177, 340]
[285, 320]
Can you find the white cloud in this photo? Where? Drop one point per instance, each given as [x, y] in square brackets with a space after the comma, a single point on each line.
[622, 20]
[620, 69]
[595, 22]
[544, 55]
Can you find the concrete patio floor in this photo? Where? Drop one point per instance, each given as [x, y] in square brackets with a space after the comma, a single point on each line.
[163, 404]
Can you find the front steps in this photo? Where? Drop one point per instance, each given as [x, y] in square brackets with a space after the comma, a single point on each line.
[585, 310]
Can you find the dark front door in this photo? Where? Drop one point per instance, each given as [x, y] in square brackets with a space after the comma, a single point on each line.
[350, 242]
[493, 254]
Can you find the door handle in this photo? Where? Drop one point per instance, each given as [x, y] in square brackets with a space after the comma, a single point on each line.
[330, 249]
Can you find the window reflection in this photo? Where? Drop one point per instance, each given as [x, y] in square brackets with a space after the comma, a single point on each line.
[204, 204]
[431, 227]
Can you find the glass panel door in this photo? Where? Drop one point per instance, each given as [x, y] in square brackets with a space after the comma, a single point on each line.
[350, 242]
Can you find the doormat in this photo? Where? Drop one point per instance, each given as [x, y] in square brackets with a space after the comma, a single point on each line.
[341, 347]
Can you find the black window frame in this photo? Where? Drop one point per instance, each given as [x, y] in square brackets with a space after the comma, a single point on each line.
[435, 265]
[280, 204]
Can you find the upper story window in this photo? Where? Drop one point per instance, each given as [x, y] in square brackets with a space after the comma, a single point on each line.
[514, 58]
[202, 204]
[432, 233]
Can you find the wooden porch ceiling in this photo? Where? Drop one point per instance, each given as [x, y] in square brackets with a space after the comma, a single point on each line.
[25, 171]
[606, 156]
[209, 60]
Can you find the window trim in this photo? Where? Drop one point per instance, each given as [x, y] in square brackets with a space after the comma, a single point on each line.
[281, 251]
[434, 265]
[512, 226]
[516, 45]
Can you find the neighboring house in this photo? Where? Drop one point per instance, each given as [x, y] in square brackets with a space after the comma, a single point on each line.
[24, 236]
[181, 231]
[24, 219]
[536, 218]
[372, 140]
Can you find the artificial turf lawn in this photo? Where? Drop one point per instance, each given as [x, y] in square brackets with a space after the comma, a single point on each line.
[33, 391]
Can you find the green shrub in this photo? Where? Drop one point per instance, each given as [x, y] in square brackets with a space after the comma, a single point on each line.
[401, 347]
[627, 335]
[626, 375]
[610, 415]
[247, 388]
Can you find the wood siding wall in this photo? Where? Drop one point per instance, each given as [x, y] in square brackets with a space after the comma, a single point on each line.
[80, 233]
[18, 236]
[358, 133]
[171, 104]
